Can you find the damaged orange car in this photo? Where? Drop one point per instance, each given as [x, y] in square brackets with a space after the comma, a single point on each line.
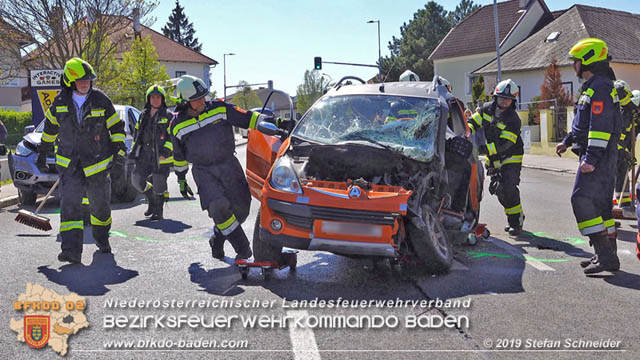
[370, 170]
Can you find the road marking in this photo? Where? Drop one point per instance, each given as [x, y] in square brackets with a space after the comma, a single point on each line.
[303, 341]
[535, 263]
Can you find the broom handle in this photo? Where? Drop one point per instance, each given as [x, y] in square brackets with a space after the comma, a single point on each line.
[634, 178]
[46, 197]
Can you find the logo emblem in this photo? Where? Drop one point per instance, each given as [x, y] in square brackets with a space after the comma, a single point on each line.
[36, 330]
[355, 192]
[597, 107]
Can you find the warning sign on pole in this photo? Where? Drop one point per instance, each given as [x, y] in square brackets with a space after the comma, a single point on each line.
[45, 85]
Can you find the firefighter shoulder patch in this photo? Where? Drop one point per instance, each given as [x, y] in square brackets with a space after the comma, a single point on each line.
[597, 107]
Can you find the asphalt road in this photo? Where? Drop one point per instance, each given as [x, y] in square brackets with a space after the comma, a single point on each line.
[520, 290]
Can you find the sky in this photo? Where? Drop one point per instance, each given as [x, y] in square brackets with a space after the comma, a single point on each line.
[278, 39]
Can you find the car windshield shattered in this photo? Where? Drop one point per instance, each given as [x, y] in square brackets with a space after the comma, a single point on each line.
[407, 125]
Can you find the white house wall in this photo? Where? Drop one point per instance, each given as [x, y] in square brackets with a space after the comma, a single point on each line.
[196, 69]
[457, 69]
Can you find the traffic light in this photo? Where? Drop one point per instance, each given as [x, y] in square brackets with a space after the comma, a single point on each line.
[317, 62]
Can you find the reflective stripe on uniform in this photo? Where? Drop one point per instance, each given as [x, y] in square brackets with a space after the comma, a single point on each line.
[591, 226]
[97, 112]
[163, 121]
[99, 167]
[168, 145]
[112, 120]
[589, 92]
[515, 159]
[60, 109]
[501, 126]
[147, 186]
[117, 137]
[229, 225]
[62, 161]
[476, 117]
[70, 225]
[610, 225]
[623, 136]
[487, 117]
[48, 138]
[471, 127]
[180, 165]
[509, 136]
[85, 201]
[211, 116]
[614, 95]
[598, 139]
[51, 118]
[254, 120]
[513, 210]
[98, 222]
[491, 148]
[168, 160]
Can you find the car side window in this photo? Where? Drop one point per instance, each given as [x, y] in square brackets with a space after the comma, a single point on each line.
[456, 118]
[132, 116]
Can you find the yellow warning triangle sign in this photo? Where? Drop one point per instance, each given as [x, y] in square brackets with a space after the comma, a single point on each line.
[46, 98]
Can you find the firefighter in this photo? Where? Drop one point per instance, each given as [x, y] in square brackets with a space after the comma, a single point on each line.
[625, 158]
[152, 151]
[90, 135]
[202, 134]
[504, 150]
[594, 134]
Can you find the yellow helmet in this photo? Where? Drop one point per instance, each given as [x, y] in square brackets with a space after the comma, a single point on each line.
[77, 69]
[589, 50]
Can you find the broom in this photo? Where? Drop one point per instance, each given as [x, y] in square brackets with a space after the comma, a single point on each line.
[32, 218]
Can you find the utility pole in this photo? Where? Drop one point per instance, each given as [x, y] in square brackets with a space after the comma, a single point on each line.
[495, 25]
[224, 64]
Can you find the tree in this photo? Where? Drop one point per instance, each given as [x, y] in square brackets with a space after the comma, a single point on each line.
[478, 93]
[246, 98]
[417, 40]
[179, 28]
[464, 9]
[552, 88]
[314, 86]
[138, 71]
[36, 34]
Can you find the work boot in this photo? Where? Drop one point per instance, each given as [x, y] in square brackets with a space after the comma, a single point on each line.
[240, 243]
[103, 246]
[613, 242]
[158, 208]
[607, 260]
[68, 256]
[151, 200]
[216, 241]
[592, 260]
[515, 231]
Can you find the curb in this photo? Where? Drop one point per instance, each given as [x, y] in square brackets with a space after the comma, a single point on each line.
[9, 201]
[563, 171]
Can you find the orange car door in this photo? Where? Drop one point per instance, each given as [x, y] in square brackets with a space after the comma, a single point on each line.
[262, 151]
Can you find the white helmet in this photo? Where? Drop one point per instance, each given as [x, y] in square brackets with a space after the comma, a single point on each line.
[409, 76]
[445, 83]
[624, 91]
[507, 89]
[190, 88]
[636, 97]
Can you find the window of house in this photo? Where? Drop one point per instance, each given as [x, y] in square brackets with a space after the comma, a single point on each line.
[180, 73]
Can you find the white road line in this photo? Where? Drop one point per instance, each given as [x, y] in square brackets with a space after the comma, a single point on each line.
[513, 251]
[303, 341]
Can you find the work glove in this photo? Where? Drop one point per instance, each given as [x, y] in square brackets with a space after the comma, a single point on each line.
[285, 124]
[185, 189]
[41, 162]
[631, 160]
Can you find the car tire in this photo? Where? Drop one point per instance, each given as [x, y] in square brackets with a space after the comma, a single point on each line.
[27, 197]
[263, 251]
[430, 243]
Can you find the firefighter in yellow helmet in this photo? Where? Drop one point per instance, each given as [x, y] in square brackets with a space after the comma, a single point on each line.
[594, 137]
[89, 134]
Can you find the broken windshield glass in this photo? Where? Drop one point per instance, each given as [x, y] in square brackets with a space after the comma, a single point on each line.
[407, 125]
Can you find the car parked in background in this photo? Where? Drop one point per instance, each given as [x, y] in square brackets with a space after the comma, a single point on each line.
[30, 181]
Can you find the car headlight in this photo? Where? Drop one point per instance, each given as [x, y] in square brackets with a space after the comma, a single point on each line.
[22, 149]
[284, 178]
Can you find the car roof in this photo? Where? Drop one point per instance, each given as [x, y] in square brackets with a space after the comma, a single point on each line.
[400, 88]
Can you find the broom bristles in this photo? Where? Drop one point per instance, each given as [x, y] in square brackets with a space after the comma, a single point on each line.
[33, 220]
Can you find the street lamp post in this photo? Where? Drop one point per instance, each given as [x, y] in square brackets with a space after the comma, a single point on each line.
[224, 65]
[379, 52]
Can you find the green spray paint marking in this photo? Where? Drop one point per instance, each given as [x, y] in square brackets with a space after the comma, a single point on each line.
[476, 255]
[531, 258]
[572, 240]
[145, 239]
[118, 233]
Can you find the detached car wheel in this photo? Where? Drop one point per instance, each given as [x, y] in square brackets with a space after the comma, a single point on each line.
[27, 197]
[263, 251]
[430, 242]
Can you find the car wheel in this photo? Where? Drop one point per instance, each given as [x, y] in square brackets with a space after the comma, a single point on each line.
[430, 242]
[27, 197]
[263, 251]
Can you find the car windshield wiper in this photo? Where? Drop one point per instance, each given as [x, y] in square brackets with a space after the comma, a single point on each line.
[360, 137]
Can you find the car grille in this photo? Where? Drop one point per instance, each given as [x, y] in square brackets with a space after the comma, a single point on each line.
[303, 215]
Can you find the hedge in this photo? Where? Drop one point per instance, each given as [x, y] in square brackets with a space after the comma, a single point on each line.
[14, 122]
